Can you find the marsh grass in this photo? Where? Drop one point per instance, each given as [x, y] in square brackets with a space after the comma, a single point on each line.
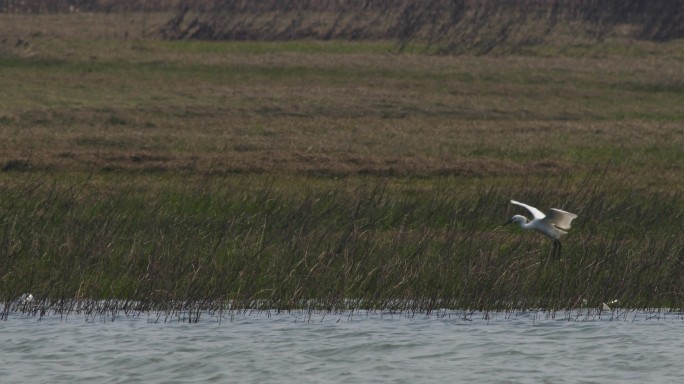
[190, 176]
[246, 243]
[335, 113]
[461, 26]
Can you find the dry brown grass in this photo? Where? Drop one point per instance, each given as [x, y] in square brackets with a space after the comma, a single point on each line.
[118, 25]
[267, 161]
[82, 94]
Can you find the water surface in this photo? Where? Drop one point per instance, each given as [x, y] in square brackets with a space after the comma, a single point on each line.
[364, 347]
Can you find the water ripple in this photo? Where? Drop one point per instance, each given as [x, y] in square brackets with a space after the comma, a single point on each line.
[356, 348]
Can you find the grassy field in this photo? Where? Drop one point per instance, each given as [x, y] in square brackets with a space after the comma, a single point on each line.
[331, 175]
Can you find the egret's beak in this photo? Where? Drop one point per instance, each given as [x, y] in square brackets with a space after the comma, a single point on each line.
[506, 223]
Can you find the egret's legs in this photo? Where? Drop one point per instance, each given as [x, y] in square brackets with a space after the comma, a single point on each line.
[557, 247]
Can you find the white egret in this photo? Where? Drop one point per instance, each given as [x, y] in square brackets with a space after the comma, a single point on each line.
[553, 224]
[605, 306]
[26, 298]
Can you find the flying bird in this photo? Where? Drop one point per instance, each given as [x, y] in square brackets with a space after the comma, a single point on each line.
[553, 224]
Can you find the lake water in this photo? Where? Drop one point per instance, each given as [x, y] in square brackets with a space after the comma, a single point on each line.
[448, 347]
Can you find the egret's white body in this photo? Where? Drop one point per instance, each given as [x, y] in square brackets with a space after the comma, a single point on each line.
[605, 307]
[554, 224]
[26, 298]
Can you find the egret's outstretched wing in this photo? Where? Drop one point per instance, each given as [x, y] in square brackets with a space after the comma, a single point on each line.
[560, 218]
[534, 211]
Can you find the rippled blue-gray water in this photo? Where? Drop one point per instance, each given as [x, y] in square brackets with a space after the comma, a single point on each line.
[452, 346]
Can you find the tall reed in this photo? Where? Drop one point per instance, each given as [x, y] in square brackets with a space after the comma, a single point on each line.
[444, 26]
[251, 243]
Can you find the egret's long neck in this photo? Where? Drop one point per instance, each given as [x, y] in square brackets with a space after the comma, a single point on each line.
[522, 221]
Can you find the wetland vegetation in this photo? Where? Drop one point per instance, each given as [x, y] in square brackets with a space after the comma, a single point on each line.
[142, 173]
